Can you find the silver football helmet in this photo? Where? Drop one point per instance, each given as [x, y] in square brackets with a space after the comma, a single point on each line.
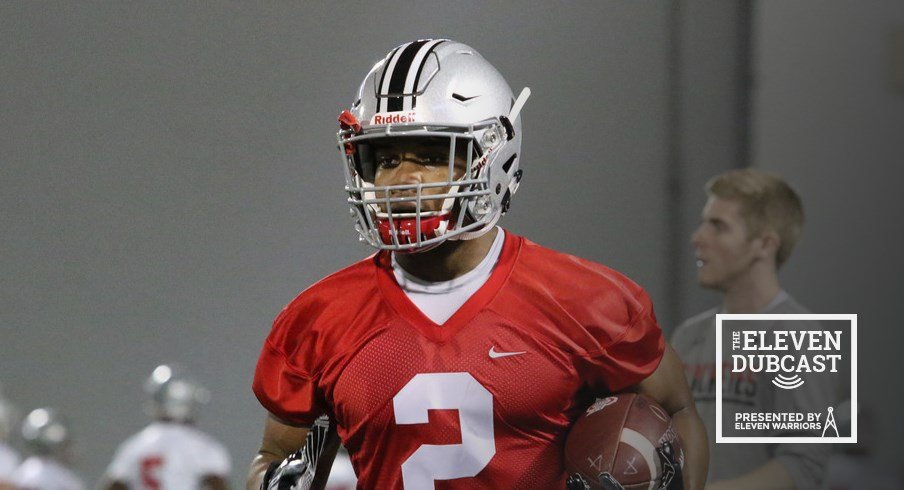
[46, 432]
[173, 396]
[432, 91]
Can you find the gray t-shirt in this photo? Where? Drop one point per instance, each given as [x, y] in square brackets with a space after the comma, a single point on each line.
[695, 343]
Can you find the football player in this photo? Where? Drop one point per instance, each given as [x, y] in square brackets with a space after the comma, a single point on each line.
[751, 222]
[459, 355]
[47, 436]
[9, 458]
[170, 452]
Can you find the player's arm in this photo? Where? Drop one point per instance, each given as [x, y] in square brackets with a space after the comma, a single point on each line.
[668, 386]
[279, 441]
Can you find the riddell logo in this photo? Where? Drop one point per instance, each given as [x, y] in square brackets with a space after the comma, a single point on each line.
[394, 117]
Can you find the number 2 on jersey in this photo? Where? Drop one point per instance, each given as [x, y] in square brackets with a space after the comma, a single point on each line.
[447, 391]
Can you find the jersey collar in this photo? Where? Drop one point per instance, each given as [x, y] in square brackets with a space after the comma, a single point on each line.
[398, 300]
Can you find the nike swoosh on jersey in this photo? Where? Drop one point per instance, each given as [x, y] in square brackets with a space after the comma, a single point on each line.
[497, 355]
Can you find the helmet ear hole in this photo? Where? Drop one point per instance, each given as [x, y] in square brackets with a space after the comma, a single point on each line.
[508, 163]
[506, 201]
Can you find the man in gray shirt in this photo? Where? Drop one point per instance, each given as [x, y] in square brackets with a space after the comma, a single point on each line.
[751, 222]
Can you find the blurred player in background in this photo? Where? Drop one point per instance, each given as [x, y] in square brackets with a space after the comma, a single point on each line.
[460, 353]
[47, 436]
[855, 466]
[170, 453]
[751, 222]
[9, 458]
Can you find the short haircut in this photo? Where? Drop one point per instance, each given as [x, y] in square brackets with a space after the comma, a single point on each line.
[768, 203]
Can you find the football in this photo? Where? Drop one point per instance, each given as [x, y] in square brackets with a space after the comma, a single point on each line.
[624, 441]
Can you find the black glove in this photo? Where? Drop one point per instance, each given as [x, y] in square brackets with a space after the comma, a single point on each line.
[577, 482]
[297, 471]
[672, 477]
[287, 475]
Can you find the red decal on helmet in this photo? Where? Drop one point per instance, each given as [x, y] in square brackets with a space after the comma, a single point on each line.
[348, 121]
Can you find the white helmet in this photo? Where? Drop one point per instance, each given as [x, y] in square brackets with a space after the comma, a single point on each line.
[46, 432]
[173, 396]
[433, 88]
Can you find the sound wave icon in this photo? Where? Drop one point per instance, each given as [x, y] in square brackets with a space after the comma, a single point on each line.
[787, 382]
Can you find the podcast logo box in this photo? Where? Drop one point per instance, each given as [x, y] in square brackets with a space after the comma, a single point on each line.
[786, 378]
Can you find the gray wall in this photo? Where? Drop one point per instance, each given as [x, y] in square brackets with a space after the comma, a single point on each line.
[169, 181]
[169, 177]
[827, 116]
[709, 129]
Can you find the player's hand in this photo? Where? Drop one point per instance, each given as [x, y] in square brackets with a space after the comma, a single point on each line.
[671, 477]
[577, 482]
[294, 473]
[297, 471]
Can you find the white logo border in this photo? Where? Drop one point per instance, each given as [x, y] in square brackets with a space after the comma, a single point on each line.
[720, 439]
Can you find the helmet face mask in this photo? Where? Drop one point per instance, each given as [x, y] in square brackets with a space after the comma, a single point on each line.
[378, 152]
[425, 99]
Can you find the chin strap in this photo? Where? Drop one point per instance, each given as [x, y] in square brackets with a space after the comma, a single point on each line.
[470, 235]
[519, 103]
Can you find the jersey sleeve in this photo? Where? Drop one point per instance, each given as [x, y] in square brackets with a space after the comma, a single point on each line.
[118, 470]
[284, 381]
[625, 348]
[217, 461]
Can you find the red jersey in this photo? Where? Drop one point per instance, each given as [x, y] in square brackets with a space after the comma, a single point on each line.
[484, 400]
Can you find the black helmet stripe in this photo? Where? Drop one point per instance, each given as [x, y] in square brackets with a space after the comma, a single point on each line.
[400, 73]
[399, 80]
[417, 78]
[379, 88]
